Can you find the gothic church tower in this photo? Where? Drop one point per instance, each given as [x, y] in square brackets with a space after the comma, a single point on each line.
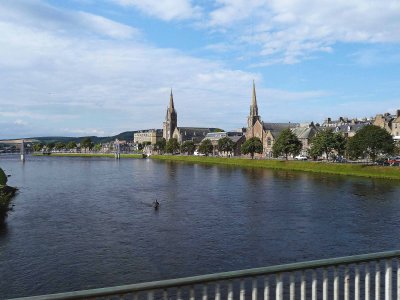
[253, 117]
[170, 120]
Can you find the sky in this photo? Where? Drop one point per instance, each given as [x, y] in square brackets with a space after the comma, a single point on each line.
[101, 67]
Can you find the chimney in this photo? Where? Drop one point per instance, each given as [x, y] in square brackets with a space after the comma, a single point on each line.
[398, 113]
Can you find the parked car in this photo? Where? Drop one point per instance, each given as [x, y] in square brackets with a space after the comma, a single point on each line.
[340, 159]
[197, 153]
[300, 157]
[394, 161]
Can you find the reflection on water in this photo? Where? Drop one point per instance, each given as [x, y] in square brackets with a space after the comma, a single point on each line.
[81, 223]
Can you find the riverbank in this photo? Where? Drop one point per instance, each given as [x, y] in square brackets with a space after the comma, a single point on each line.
[6, 195]
[305, 166]
[110, 155]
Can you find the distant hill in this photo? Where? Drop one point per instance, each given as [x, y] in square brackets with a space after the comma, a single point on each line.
[127, 136]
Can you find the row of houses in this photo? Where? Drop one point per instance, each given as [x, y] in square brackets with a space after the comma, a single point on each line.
[266, 132]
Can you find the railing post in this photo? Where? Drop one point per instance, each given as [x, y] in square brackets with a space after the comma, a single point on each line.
[303, 286]
[242, 290]
[165, 295]
[335, 284]
[205, 296]
[356, 282]
[279, 287]
[388, 279]
[377, 280]
[254, 292]
[325, 285]
[367, 282]
[230, 291]
[266, 288]
[292, 287]
[150, 295]
[398, 278]
[192, 297]
[314, 285]
[346, 283]
[217, 292]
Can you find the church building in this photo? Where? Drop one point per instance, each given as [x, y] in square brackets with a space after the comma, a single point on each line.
[269, 132]
[182, 134]
[171, 120]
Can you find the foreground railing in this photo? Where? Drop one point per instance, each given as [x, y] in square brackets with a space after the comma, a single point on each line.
[370, 276]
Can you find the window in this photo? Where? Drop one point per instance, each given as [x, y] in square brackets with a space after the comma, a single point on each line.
[269, 141]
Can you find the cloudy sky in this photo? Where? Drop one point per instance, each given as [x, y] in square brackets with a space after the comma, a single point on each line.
[100, 67]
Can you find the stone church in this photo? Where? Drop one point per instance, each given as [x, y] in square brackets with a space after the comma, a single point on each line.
[182, 134]
[269, 132]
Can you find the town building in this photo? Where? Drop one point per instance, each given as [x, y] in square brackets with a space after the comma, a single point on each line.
[194, 134]
[151, 136]
[182, 134]
[269, 132]
[389, 122]
[237, 137]
[346, 121]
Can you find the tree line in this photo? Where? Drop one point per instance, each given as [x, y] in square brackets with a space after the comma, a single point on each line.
[369, 142]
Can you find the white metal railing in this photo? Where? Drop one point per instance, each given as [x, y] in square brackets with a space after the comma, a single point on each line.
[373, 276]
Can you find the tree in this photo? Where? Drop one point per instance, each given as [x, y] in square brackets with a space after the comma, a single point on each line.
[327, 141]
[188, 147]
[251, 146]
[37, 147]
[50, 146]
[172, 146]
[160, 145]
[97, 147]
[3, 178]
[225, 145]
[206, 147]
[59, 146]
[71, 145]
[286, 143]
[371, 141]
[86, 143]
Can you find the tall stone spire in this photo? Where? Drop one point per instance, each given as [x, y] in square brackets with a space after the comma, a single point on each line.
[253, 117]
[171, 102]
[171, 119]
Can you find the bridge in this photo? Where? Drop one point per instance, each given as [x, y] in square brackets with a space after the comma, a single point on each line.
[18, 141]
[367, 276]
[21, 143]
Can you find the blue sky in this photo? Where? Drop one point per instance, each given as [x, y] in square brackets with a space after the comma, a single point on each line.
[86, 67]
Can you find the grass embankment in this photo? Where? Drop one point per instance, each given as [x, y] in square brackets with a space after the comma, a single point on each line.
[306, 166]
[91, 155]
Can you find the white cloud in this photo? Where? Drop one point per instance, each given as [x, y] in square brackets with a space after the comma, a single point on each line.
[84, 132]
[293, 29]
[166, 10]
[87, 84]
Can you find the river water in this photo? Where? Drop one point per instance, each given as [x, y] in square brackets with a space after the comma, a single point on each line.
[81, 223]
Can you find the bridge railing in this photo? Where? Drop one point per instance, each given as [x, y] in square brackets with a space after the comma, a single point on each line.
[369, 276]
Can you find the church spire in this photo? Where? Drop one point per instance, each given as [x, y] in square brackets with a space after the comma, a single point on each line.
[171, 119]
[254, 107]
[253, 117]
[171, 102]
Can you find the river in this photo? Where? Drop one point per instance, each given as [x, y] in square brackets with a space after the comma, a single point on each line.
[81, 223]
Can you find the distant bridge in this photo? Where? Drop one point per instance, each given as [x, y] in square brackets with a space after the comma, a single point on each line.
[18, 141]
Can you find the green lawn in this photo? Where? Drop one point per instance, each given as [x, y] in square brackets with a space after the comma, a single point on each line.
[306, 166]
